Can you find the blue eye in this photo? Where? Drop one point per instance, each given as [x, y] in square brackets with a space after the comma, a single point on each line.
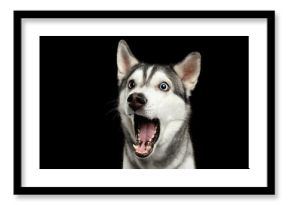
[164, 86]
[131, 84]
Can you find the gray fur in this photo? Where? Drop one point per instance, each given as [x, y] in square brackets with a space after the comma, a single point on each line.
[154, 69]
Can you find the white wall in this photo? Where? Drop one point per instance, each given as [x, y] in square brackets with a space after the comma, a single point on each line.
[282, 93]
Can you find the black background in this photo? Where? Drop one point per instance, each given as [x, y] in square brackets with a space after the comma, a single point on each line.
[79, 123]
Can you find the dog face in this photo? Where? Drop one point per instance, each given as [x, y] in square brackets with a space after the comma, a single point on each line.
[153, 99]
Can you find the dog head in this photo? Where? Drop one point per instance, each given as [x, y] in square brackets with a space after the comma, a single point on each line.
[153, 99]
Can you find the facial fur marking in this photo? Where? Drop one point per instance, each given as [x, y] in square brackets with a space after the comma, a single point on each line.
[145, 68]
[179, 88]
[153, 71]
[123, 83]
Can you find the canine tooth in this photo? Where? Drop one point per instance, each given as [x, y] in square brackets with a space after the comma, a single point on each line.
[135, 146]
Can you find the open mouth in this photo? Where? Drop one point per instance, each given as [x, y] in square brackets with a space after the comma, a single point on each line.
[146, 132]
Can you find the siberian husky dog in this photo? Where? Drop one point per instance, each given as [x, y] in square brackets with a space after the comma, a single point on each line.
[154, 108]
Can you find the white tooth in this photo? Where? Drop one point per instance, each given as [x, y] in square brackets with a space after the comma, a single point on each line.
[135, 146]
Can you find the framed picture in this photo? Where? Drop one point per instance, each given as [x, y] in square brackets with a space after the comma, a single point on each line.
[144, 102]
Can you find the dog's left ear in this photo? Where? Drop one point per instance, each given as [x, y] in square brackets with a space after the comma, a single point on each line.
[125, 60]
[188, 70]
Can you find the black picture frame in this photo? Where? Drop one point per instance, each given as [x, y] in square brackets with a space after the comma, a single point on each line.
[270, 18]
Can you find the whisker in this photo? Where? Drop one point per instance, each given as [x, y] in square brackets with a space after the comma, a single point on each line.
[114, 109]
[116, 115]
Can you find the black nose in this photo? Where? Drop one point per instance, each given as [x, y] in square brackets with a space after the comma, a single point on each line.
[136, 101]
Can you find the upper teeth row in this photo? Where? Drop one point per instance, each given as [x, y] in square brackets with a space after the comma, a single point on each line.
[138, 140]
[138, 130]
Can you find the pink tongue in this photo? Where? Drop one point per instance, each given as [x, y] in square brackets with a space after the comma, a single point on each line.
[146, 132]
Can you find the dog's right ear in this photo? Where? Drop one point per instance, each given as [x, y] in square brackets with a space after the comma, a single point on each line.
[125, 60]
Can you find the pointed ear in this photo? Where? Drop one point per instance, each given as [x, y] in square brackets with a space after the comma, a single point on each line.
[188, 70]
[125, 59]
